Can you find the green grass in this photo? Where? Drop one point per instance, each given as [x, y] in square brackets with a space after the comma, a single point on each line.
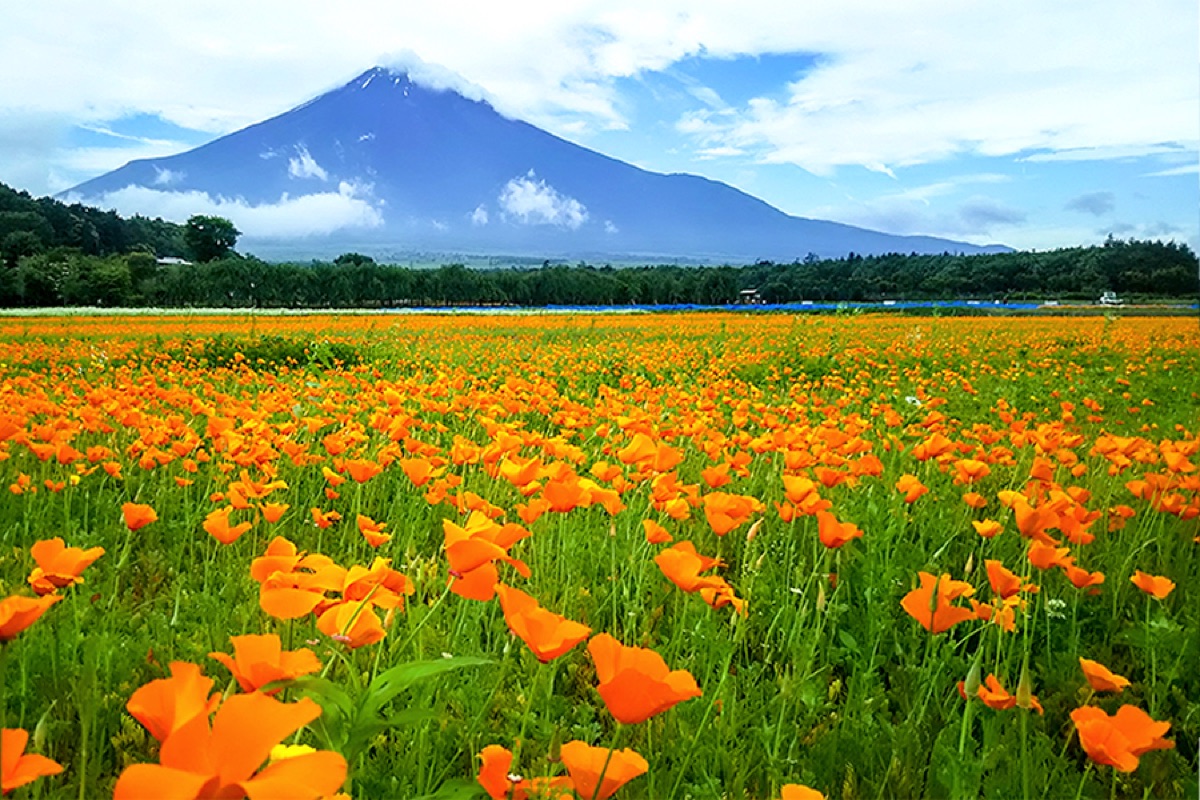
[831, 686]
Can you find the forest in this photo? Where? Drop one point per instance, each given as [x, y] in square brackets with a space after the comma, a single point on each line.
[53, 254]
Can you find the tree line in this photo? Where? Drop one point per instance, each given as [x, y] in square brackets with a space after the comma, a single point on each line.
[53, 254]
[69, 277]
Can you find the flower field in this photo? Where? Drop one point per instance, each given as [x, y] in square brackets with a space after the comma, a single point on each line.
[642, 556]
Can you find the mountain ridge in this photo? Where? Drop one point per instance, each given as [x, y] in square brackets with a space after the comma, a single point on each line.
[395, 165]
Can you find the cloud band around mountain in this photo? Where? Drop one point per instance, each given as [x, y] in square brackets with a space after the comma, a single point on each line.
[315, 214]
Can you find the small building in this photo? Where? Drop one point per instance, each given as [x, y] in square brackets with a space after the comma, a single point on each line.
[172, 261]
[749, 297]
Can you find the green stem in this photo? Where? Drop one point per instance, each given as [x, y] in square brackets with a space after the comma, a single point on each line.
[607, 760]
[413, 634]
[3, 685]
[1025, 774]
[1087, 771]
[700, 729]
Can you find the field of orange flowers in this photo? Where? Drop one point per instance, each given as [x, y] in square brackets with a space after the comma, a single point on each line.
[677, 556]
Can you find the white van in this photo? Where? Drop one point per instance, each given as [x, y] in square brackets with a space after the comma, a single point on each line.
[1110, 299]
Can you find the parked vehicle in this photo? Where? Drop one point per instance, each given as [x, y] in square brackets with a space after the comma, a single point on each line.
[1111, 299]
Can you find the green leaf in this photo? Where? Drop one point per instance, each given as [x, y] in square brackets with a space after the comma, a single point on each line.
[402, 677]
[457, 789]
[337, 709]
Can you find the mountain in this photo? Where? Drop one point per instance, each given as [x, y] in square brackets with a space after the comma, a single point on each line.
[385, 164]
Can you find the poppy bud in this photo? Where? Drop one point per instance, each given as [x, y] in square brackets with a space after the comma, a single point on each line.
[1025, 687]
[39, 732]
[970, 564]
[750, 534]
[971, 687]
[821, 597]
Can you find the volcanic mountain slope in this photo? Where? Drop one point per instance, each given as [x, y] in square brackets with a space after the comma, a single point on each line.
[399, 166]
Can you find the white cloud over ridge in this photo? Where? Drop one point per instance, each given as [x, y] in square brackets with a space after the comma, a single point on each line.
[316, 214]
[898, 84]
[303, 165]
[529, 201]
[165, 177]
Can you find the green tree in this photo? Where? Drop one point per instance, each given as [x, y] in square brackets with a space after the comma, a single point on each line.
[210, 238]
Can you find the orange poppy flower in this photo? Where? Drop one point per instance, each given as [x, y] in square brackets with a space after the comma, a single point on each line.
[655, 533]
[974, 500]
[969, 470]
[273, 512]
[18, 768]
[334, 479]
[198, 760]
[17, 613]
[994, 695]
[598, 771]
[1044, 556]
[682, 565]
[1118, 741]
[1004, 616]
[324, 519]
[1154, 585]
[725, 511]
[798, 488]
[987, 528]
[1100, 678]
[496, 778]
[59, 566]
[165, 705]
[383, 586]
[419, 470]
[635, 682]
[547, 634]
[260, 659]
[833, 533]
[137, 515]
[911, 487]
[797, 791]
[494, 770]
[292, 585]
[1081, 579]
[934, 611]
[720, 596]
[372, 531]
[1034, 522]
[217, 524]
[355, 624]
[716, 476]
[362, 470]
[640, 448]
[472, 551]
[1003, 581]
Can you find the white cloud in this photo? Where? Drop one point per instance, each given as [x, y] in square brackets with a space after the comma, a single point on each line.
[432, 76]
[723, 151]
[530, 201]
[479, 216]
[896, 84]
[165, 177]
[900, 83]
[304, 215]
[305, 166]
[1183, 169]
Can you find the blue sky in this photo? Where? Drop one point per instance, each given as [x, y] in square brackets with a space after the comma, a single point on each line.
[1034, 125]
